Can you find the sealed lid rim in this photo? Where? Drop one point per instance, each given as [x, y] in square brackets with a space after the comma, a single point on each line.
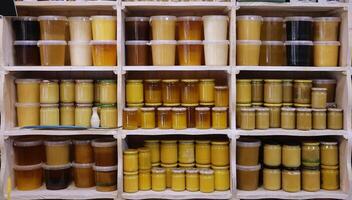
[103, 17]
[103, 42]
[190, 42]
[189, 18]
[27, 143]
[248, 168]
[136, 42]
[51, 42]
[163, 42]
[248, 143]
[104, 142]
[163, 17]
[52, 17]
[327, 19]
[332, 43]
[299, 42]
[27, 81]
[221, 17]
[27, 104]
[299, 18]
[104, 168]
[219, 42]
[57, 142]
[25, 42]
[27, 167]
[250, 42]
[249, 17]
[273, 19]
[278, 43]
[81, 141]
[57, 167]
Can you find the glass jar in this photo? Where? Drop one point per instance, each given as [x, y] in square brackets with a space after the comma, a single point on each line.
[144, 180]
[27, 90]
[247, 118]
[168, 151]
[330, 178]
[329, 153]
[311, 179]
[108, 91]
[83, 175]
[154, 147]
[105, 151]
[164, 118]
[247, 152]
[222, 178]
[130, 182]
[130, 118]
[84, 91]
[147, 118]
[203, 152]
[219, 118]
[319, 97]
[272, 91]
[67, 91]
[28, 177]
[272, 155]
[190, 91]
[291, 180]
[83, 113]
[158, 179]
[97, 91]
[243, 91]
[238, 113]
[171, 93]
[206, 90]
[247, 177]
[291, 155]
[49, 91]
[203, 118]
[168, 172]
[288, 118]
[262, 118]
[220, 153]
[192, 180]
[257, 90]
[287, 91]
[83, 151]
[144, 158]
[134, 91]
[178, 180]
[310, 154]
[319, 119]
[221, 96]
[49, 115]
[304, 119]
[108, 116]
[186, 151]
[329, 84]
[272, 179]
[28, 151]
[179, 118]
[130, 160]
[152, 92]
[274, 115]
[67, 114]
[335, 118]
[206, 181]
[191, 115]
[302, 91]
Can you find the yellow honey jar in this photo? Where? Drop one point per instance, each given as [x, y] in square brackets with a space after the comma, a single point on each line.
[186, 151]
[27, 90]
[49, 115]
[84, 91]
[107, 91]
[130, 160]
[219, 118]
[220, 153]
[168, 151]
[178, 180]
[206, 181]
[158, 179]
[221, 178]
[147, 118]
[192, 180]
[134, 91]
[67, 91]
[49, 91]
[154, 147]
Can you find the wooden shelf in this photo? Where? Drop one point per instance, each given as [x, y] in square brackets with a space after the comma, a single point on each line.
[176, 68]
[291, 69]
[60, 68]
[283, 132]
[168, 194]
[19, 132]
[189, 131]
[64, 5]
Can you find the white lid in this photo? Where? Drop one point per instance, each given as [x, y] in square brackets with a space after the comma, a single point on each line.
[249, 17]
[322, 81]
[220, 42]
[147, 109]
[219, 108]
[190, 42]
[333, 43]
[221, 87]
[27, 81]
[82, 165]
[78, 18]
[335, 109]
[279, 43]
[103, 42]
[57, 142]
[49, 105]
[57, 167]
[202, 109]
[104, 142]
[192, 171]
[249, 109]
[179, 109]
[206, 171]
[252, 42]
[30, 142]
[105, 168]
[27, 167]
[163, 17]
[299, 18]
[189, 18]
[158, 170]
[299, 42]
[25, 18]
[26, 42]
[130, 109]
[248, 143]
[67, 80]
[248, 168]
[50, 81]
[263, 109]
[158, 42]
[84, 81]
[289, 109]
[110, 17]
[319, 89]
[52, 42]
[273, 19]
[221, 17]
[81, 141]
[78, 43]
[27, 104]
[319, 110]
[178, 171]
[52, 17]
[327, 19]
[137, 42]
[304, 110]
[328, 143]
[84, 105]
[139, 19]
[164, 108]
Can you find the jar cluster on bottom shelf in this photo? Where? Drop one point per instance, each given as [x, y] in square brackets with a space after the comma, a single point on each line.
[203, 165]
[288, 104]
[38, 102]
[94, 163]
[292, 167]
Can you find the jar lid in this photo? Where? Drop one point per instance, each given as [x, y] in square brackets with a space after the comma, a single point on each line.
[107, 106]
[27, 104]
[49, 105]
[219, 142]
[273, 80]
[335, 109]
[104, 142]
[155, 164]
[51, 42]
[328, 143]
[273, 43]
[147, 109]
[222, 87]
[103, 42]
[319, 109]
[221, 17]
[247, 142]
[287, 104]
[219, 108]
[178, 171]
[137, 19]
[186, 141]
[135, 105]
[179, 109]
[104, 168]
[57, 142]
[84, 81]
[190, 42]
[134, 81]
[206, 171]
[299, 18]
[79, 18]
[249, 17]
[299, 42]
[310, 143]
[57, 167]
[244, 80]
[67, 81]
[81, 141]
[322, 81]
[248, 168]
[243, 105]
[327, 19]
[202, 108]
[192, 171]
[25, 18]
[189, 80]
[202, 141]
[27, 142]
[329, 43]
[257, 80]
[84, 105]
[273, 104]
[82, 165]
[249, 109]
[249, 42]
[272, 145]
[107, 81]
[143, 149]
[27, 167]
[163, 17]
[329, 167]
[202, 166]
[151, 141]
[262, 109]
[216, 42]
[288, 109]
[50, 81]
[189, 104]
[52, 17]
[189, 18]
[27, 81]
[220, 167]
[103, 17]
[319, 89]
[287, 80]
[304, 110]
[273, 19]
[131, 173]
[164, 109]
[169, 80]
[158, 170]
[295, 171]
[130, 151]
[169, 165]
[204, 104]
[161, 42]
[25, 42]
[207, 80]
[136, 42]
[152, 80]
[303, 81]
[168, 141]
[302, 105]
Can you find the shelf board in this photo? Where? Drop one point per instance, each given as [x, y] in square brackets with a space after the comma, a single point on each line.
[181, 5]
[169, 194]
[71, 192]
[291, 68]
[284, 132]
[295, 7]
[189, 131]
[176, 68]
[64, 5]
[19, 132]
[59, 68]
[265, 194]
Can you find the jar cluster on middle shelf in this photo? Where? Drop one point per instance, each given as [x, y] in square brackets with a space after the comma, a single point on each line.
[288, 104]
[189, 32]
[193, 158]
[260, 41]
[38, 102]
[163, 99]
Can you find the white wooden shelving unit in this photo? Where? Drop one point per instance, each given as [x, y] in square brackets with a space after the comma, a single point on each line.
[229, 73]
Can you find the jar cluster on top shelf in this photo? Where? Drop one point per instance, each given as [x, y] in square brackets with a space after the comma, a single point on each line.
[94, 163]
[164, 50]
[203, 105]
[309, 41]
[292, 167]
[203, 165]
[43, 41]
[66, 102]
[288, 104]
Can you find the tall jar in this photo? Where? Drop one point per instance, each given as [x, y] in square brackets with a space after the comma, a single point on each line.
[49, 115]
[190, 91]
[257, 90]
[152, 92]
[319, 119]
[287, 91]
[203, 118]
[203, 152]
[329, 153]
[108, 116]
[158, 179]
[171, 93]
[83, 113]
[67, 91]
[319, 98]
[134, 91]
[67, 114]
[302, 91]
[291, 155]
[262, 118]
[330, 177]
[148, 117]
[272, 91]
[304, 119]
[274, 115]
[206, 90]
[144, 158]
[221, 96]
[192, 180]
[247, 118]
[288, 118]
[130, 160]
[206, 180]
[243, 91]
[84, 91]
[130, 118]
[221, 178]
[220, 153]
[335, 118]
[168, 151]
[310, 154]
[272, 154]
[154, 147]
[219, 118]
[108, 91]
[179, 118]
[178, 180]
[186, 151]
[164, 118]
[49, 91]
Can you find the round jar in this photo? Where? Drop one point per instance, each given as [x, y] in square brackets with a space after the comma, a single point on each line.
[83, 175]
[335, 118]
[28, 177]
[168, 151]
[105, 178]
[178, 180]
[130, 118]
[147, 117]
[330, 177]
[154, 147]
[287, 91]
[164, 118]
[171, 92]
[310, 154]
[302, 91]
[179, 118]
[83, 113]
[108, 91]
[247, 118]
[144, 180]
[192, 180]
[219, 118]
[262, 118]
[57, 147]
[84, 91]
[243, 91]
[203, 118]
[206, 181]
[220, 153]
[206, 90]
[144, 158]
[190, 91]
[329, 153]
[288, 118]
[152, 92]
[319, 98]
[134, 91]
[49, 115]
[272, 155]
[304, 119]
[272, 91]
[238, 113]
[319, 119]
[257, 90]
[203, 152]
[83, 151]
[222, 178]
[67, 114]
[329, 84]
[49, 91]
[186, 151]
[158, 179]
[105, 151]
[130, 182]
[274, 115]
[221, 96]
[248, 177]
[291, 180]
[27, 90]
[28, 151]
[311, 179]
[67, 91]
[272, 179]
[291, 155]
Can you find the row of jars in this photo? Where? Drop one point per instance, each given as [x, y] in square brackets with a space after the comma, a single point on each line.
[300, 93]
[173, 92]
[175, 118]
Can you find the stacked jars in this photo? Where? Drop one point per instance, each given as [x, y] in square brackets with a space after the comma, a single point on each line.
[50, 92]
[169, 154]
[162, 99]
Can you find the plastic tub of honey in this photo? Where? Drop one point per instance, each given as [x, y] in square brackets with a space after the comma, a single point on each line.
[189, 28]
[248, 52]
[105, 151]
[216, 52]
[28, 177]
[52, 52]
[299, 28]
[53, 27]
[103, 27]
[163, 52]
[83, 175]
[189, 52]
[57, 177]
[67, 114]
[272, 29]
[53, 148]
[27, 90]
[80, 53]
[248, 27]
[248, 177]
[272, 53]
[83, 151]
[104, 52]
[163, 27]
[28, 151]
[137, 28]
[27, 114]
[215, 27]
[326, 53]
[26, 28]
[137, 52]
[247, 152]
[26, 53]
[326, 28]
[80, 28]
[299, 53]
[49, 115]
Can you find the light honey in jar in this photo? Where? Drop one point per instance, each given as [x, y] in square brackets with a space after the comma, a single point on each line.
[134, 91]
[171, 93]
[291, 155]
[220, 153]
[56, 147]
[154, 147]
[203, 152]
[152, 92]
[310, 154]
[189, 28]
[272, 154]
[168, 152]
[186, 151]
[304, 119]
[147, 118]
[221, 178]
[311, 179]
[219, 118]
[319, 98]
[262, 118]
[247, 152]
[84, 91]
[49, 115]
[108, 116]
[130, 118]
[67, 114]
[257, 90]
[83, 113]
[247, 118]
[104, 52]
[238, 112]
[52, 52]
[206, 181]
[49, 91]
[287, 91]
[130, 160]
[288, 118]
[144, 158]
[178, 180]
[330, 177]
[326, 28]
[168, 172]
[28, 114]
[206, 90]
[163, 52]
[272, 53]
[164, 118]
[27, 90]
[243, 91]
[190, 91]
[28, 177]
[144, 180]
[302, 91]
[158, 179]
[163, 27]
[192, 180]
[326, 53]
[248, 27]
[179, 118]
[272, 179]
[272, 29]
[272, 91]
[107, 91]
[83, 151]
[335, 118]
[221, 96]
[274, 114]
[67, 91]
[329, 153]
[103, 27]
[291, 180]
[203, 118]
[248, 52]
[130, 182]
[319, 119]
